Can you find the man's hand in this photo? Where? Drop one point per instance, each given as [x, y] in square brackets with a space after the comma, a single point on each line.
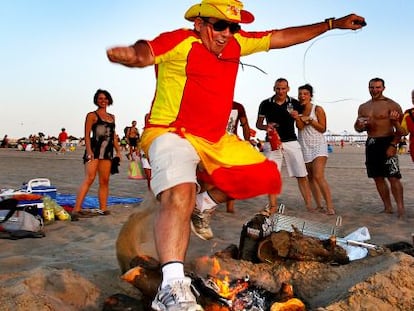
[295, 114]
[351, 21]
[391, 151]
[394, 116]
[271, 127]
[137, 55]
[362, 124]
[122, 55]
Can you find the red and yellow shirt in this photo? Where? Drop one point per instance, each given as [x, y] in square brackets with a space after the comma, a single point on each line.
[194, 97]
[195, 88]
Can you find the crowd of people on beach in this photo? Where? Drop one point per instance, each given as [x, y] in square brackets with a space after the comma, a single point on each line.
[39, 142]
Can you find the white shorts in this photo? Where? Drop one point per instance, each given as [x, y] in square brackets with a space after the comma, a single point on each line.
[291, 152]
[173, 161]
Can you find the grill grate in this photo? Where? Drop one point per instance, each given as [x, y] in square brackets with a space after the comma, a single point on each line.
[279, 221]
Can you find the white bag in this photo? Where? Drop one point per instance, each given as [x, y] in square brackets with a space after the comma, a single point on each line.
[20, 220]
[356, 252]
[17, 223]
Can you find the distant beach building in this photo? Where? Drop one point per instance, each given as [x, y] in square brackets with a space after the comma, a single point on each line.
[350, 138]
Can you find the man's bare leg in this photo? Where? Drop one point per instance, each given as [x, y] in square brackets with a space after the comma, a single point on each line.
[172, 224]
[272, 203]
[398, 194]
[230, 206]
[384, 193]
[172, 235]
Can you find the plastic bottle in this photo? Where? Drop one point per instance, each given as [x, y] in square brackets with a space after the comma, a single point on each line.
[58, 211]
[48, 211]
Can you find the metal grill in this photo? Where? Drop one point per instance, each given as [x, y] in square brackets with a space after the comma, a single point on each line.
[279, 221]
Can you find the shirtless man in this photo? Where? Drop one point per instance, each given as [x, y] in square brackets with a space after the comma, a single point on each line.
[132, 137]
[381, 118]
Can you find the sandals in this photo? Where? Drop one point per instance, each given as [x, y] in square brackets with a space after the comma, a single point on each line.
[330, 212]
[81, 214]
[89, 213]
[327, 211]
[102, 213]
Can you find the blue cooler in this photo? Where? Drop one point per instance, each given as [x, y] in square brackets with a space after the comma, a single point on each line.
[40, 186]
[32, 203]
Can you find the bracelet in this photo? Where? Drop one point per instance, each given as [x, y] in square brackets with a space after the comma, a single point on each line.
[330, 21]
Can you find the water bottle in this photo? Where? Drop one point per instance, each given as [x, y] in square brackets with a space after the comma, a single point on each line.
[55, 209]
[48, 211]
[289, 107]
[60, 213]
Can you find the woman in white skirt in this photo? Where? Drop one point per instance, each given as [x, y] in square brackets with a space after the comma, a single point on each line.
[311, 126]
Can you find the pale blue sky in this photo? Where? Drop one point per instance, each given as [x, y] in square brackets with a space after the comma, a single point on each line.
[53, 58]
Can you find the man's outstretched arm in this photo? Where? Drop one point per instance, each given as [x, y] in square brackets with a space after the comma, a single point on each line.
[294, 35]
[137, 55]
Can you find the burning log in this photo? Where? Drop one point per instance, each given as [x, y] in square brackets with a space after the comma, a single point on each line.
[145, 276]
[218, 291]
[220, 295]
[292, 304]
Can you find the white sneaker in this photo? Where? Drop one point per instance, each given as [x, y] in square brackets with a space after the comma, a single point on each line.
[200, 223]
[176, 296]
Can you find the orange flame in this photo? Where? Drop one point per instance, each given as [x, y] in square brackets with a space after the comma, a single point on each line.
[223, 284]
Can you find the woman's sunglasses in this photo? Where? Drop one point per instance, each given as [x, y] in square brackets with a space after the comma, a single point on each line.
[221, 25]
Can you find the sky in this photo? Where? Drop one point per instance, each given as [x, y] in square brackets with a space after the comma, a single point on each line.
[53, 59]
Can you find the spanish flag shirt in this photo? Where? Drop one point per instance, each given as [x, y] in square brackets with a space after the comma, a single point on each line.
[194, 96]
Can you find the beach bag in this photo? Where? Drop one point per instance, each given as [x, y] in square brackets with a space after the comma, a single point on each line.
[19, 222]
[135, 170]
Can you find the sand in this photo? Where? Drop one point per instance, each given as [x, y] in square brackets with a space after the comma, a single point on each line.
[75, 268]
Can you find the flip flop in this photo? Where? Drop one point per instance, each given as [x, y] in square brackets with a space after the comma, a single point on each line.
[321, 209]
[81, 214]
[103, 213]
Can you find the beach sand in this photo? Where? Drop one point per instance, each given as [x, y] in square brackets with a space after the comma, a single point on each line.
[75, 268]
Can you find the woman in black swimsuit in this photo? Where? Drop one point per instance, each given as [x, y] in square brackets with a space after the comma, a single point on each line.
[100, 141]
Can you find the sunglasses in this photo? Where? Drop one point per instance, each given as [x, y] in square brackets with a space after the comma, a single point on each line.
[221, 25]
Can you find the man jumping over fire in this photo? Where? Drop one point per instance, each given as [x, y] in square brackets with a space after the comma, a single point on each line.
[196, 73]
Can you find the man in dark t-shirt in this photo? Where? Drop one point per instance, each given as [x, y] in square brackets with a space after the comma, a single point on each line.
[276, 113]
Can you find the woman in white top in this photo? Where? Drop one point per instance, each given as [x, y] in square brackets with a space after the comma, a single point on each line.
[311, 126]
